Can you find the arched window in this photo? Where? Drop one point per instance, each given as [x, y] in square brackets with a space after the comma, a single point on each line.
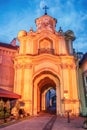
[45, 46]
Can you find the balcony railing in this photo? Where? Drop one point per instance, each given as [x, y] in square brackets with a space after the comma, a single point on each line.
[46, 50]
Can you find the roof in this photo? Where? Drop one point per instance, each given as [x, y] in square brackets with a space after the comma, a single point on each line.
[8, 94]
[83, 59]
[6, 45]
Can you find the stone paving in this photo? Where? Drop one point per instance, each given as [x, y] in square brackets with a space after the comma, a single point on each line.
[34, 123]
[76, 123]
[47, 122]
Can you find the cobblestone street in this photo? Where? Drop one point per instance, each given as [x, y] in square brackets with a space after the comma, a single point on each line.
[47, 122]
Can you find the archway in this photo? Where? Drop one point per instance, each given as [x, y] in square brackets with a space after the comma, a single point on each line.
[51, 101]
[42, 84]
[45, 85]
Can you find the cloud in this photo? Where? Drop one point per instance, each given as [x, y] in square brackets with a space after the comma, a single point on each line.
[80, 44]
[70, 14]
[42, 4]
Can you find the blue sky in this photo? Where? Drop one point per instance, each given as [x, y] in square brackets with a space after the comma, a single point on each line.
[16, 15]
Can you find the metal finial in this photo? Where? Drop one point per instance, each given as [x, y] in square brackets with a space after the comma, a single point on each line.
[31, 29]
[45, 8]
[60, 30]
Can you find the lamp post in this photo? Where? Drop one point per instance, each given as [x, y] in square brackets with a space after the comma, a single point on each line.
[68, 115]
[67, 111]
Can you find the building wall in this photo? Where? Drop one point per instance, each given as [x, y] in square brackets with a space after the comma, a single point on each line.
[83, 85]
[6, 68]
[44, 59]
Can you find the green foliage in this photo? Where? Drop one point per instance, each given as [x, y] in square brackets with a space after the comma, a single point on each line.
[1, 105]
[4, 115]
[8, 106]
[7, 114]
[4, 109]
[1, 114]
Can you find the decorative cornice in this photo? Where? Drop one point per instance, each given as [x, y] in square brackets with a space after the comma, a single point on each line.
[23, 66]
[7, 52]
[67, 66]
[28, 66]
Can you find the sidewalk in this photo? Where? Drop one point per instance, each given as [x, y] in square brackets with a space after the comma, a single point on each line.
[47, 122]
[76, 123]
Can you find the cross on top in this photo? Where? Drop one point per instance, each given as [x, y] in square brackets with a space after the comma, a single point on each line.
[45, 8]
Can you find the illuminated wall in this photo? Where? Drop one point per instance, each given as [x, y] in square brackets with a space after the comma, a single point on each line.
[83, 85]
[46, 59]
[7, 53]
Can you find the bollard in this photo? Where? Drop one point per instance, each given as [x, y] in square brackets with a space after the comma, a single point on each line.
[68, 116]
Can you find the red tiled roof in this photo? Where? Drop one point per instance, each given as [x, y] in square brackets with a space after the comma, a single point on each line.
[8, 94]
[8, 46]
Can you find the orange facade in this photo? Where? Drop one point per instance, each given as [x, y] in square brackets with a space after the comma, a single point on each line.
[45, 60]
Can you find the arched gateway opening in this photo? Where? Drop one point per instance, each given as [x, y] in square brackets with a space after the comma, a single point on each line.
[51, 101]
[43, 84]
[45, 87]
